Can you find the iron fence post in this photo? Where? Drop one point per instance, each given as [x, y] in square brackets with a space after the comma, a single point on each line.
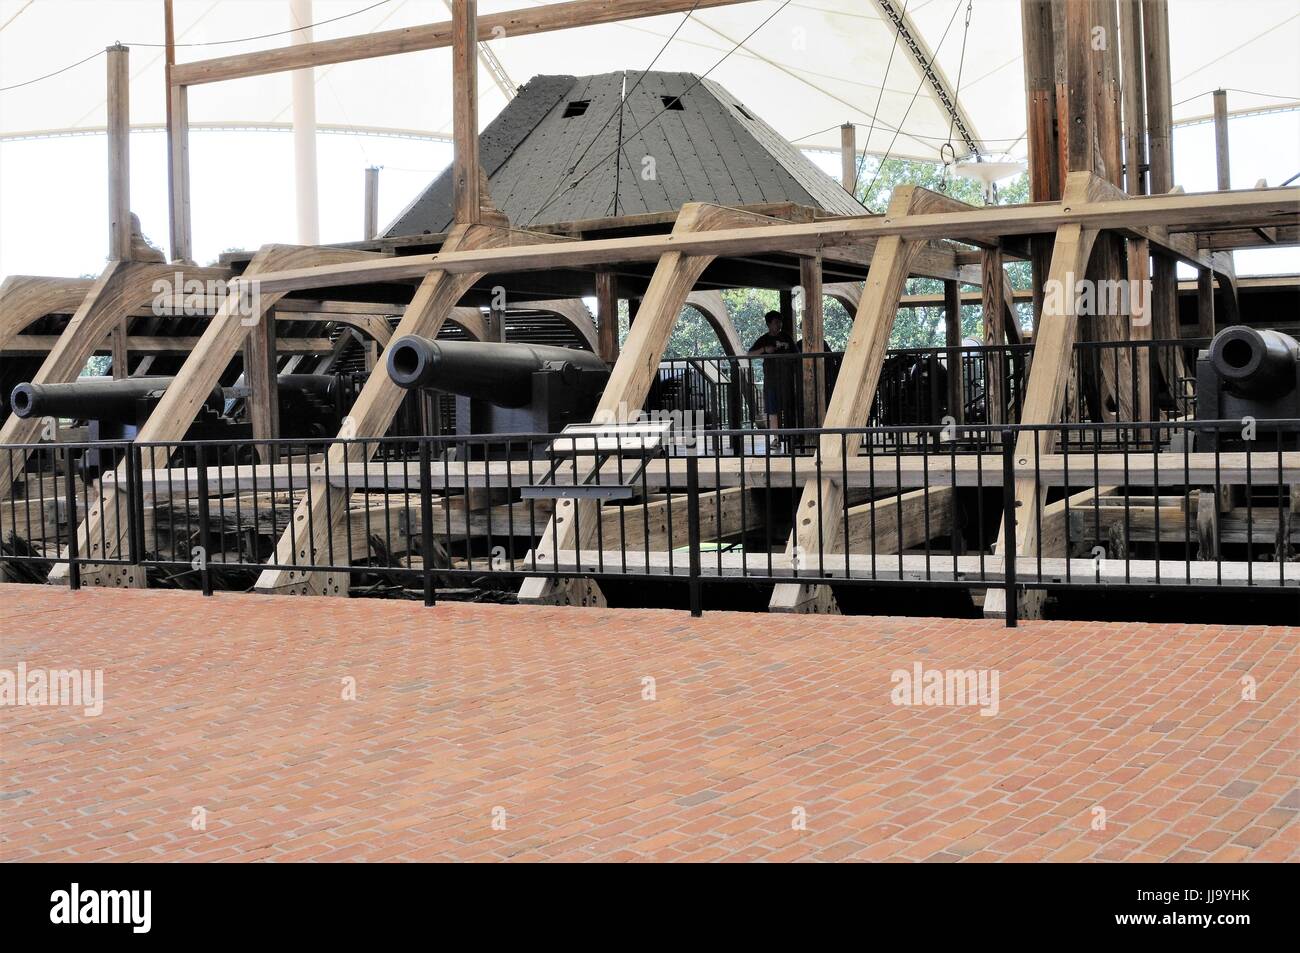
[693, 530]
[134, 503]
[1009, 526]
[426, 520]
[70, 492]
[205, 542]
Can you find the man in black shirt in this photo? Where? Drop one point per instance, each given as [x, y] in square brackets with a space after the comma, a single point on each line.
[779, 375]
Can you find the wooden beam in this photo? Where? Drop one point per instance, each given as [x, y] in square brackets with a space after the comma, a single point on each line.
[814, 341]
[1044, 148]
[1135, 144]
[121, 287]
[1155, 40]
[995, 325]
[952, 339]
[1189, 212]
[1205, 303]
[261, 369]
[371, 211]
[849, 157]
[27, 344]
[25, 299]
[120, 357]
[1159, 114]
[169, 60]
[1053, 348]
[607, 315]
[178, 150]
[864, 471]
[722, 513]
[1221, 140]
[895, 524]
[1139, 324]
[821, 505]
[975, 571]
[467, 204]
[513, 23]
[119, 153]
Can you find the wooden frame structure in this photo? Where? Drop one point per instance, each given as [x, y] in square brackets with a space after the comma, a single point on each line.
[1077, 204]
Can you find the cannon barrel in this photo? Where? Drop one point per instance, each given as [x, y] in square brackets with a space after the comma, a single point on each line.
[103, 398]
[495, 372]
[1256, 363]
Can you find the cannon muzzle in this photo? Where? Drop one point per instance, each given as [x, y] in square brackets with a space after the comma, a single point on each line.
[102, 398]
[498, 373]
[1254, 362]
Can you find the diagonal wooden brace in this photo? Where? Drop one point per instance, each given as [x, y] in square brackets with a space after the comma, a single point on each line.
[819, 518]
[574, 524]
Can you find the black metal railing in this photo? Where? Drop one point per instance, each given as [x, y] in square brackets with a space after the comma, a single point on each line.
[1145, 512]
[1111, 382]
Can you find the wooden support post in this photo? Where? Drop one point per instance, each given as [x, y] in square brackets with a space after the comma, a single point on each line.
[607, 315]
[119, 355]
[1155, 47]
[1044, 148]
[1155, 41]
[178, 148]
[995, 323]
[952, 340]
[1205, 303]
[175, 143]
[785, 305]
[466, 199]
[814, 341]
[1094, 144]
[1106, 94]
[849, 157]
[1052, 360]
[261, 370]
[1135, 144]
[574, 524]
[820, 513]
[1139, 265]
[1221, 139]
[119, 153]
[372, 202]
[496, 323]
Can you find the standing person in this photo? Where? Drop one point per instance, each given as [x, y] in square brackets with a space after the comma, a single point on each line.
[777, 375]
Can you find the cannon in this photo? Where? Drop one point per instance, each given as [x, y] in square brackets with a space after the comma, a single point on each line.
[1249, 372]
[311, 405]
[91, 398]
[503, 387]
[119, 400]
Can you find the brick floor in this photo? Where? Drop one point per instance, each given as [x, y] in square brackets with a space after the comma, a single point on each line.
[536, 718]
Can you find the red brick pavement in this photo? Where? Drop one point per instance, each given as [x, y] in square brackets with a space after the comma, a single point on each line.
[464, 713]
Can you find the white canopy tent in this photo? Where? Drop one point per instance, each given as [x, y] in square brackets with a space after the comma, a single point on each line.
[806, 66]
